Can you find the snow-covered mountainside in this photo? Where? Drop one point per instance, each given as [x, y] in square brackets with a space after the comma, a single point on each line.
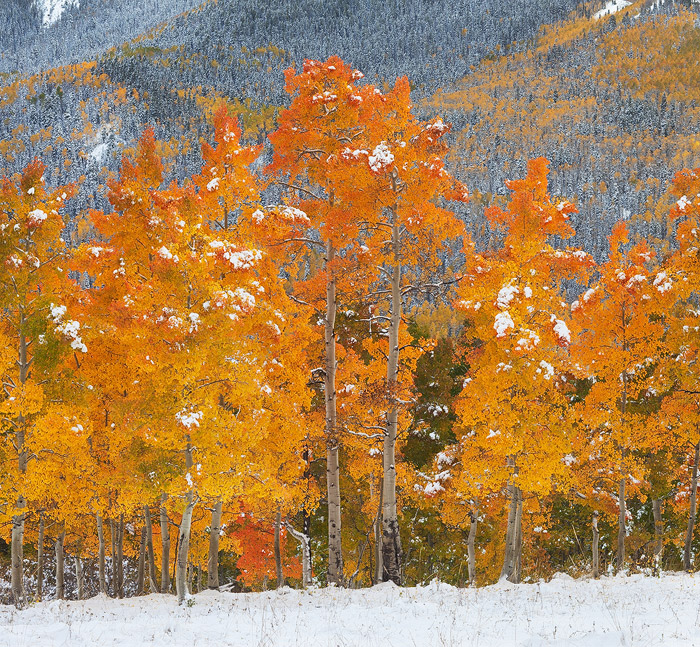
[636, 610]
[51, 10]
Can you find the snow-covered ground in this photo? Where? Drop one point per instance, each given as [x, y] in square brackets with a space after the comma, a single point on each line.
[635, 610]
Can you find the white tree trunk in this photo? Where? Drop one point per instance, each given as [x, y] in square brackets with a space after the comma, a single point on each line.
[658, 536]
[471, 556]
[391, 537]
[79, 580]
[165, 545]
[141, 568]
[40, 559]
[60, 588]
[303, 540]
[184, 536]
[152, 580]
[101, 555]
[596, 542]
[621, 529]
[213, 561]
[335, 548]
[278, 550]
[688, 549]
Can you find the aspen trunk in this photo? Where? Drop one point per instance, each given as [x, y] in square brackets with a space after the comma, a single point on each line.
[471, 563]
[391, 538]
[165, 544]
[335, 548]
[40, 559]
[17, 556]
[80, 584]
[113, 553]
[278, 550]
[213, 561]
[60, 589]
[621, 530]
[120, 558]
[596, 541]
[17, 534]
[303, 540]
[141, 568]
[379, 566]
[199, 577]
[101, 555]
[658, 536]
[509, 556]
[688, 550]
[152, 580]
[518, 539]
[184, 536]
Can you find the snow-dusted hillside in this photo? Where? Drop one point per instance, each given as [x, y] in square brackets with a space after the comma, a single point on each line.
[51, 10]
[635, 610]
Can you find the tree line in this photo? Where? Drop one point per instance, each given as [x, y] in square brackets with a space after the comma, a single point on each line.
[249, 372]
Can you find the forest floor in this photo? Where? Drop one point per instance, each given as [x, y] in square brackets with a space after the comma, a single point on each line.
[632, 611]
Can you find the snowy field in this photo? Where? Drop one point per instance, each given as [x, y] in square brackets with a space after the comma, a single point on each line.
[628, 611]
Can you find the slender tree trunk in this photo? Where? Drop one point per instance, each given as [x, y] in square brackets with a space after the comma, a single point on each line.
[17, 534]
[213, 561]
[80, 583]
[278, 550]
[152, 579]
[165, 544]
[658, 535]
[512, 557]
[120, 557]
[474, 516]
[335, 548]
[621, 529]
[184, 535]
[40, 559]
[688, 550]
[113, 553]
[199, 577]
[60, 589]
[378, 566]
[596, 541]
[101, 555]
[518, 539]
[303, 540]
[391, 537]
[141, 568]
[17, 556]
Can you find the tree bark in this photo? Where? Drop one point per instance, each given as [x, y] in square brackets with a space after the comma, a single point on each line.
[184, 535]
[17, 556]
[391, 537]
[596, 542]
[120, 558]
[379, 566]
[688, 550]
[40, 559]
[213, 561]
[303, 540]
[621, 529]
[471, 556]
[17, 534]
[658, 536]
[335, 548]
[113, 553]
[60, 589]
[141, 568]
[101, 555]
[80, 583]
[518, 545]
[278, 550]
[165, 546]
[152, 580]
[512, 555]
